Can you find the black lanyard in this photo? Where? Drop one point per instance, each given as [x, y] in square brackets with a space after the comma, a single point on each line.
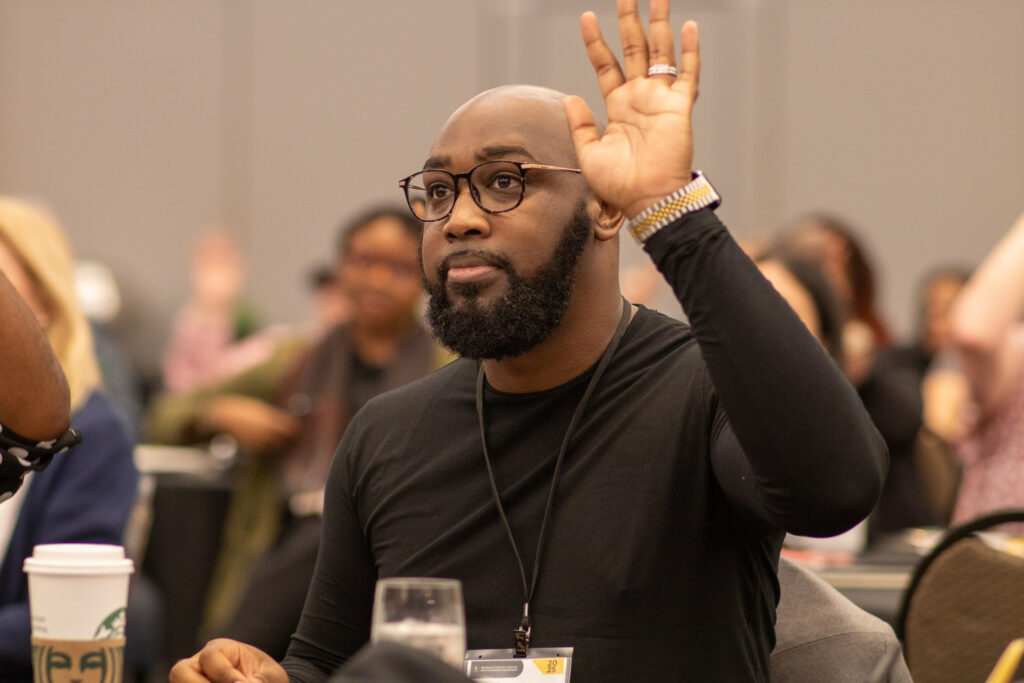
[522, 632]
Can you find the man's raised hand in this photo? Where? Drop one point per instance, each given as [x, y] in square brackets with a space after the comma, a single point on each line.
[646, 152]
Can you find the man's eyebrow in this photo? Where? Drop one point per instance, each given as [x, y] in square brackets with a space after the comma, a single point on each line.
[493, 152]
[500, 151]
[436, 162]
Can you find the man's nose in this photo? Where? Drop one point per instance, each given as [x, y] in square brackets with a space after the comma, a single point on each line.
[467, 219]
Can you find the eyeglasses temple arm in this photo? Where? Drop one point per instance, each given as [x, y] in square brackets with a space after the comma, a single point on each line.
[545, 167]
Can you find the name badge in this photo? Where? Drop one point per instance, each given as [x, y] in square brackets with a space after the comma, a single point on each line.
[540, 665]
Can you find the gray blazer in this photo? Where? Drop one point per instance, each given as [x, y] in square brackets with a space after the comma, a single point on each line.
[821, 636]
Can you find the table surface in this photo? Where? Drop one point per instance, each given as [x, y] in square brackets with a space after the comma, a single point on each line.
[867, 578]
[160, 459]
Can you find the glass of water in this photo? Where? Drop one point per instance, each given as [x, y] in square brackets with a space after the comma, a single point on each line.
[426, 614]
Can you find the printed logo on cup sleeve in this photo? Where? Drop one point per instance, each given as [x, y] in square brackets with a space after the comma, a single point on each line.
[100, 660]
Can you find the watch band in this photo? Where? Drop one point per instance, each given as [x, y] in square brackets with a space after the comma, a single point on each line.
[696, 195]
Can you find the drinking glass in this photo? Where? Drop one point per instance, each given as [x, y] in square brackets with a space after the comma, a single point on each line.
[426, 614]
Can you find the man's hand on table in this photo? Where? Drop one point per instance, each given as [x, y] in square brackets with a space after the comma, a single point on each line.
[228, 661]
[256, 425]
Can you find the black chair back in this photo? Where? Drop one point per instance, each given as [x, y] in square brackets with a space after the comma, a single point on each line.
[961, 607]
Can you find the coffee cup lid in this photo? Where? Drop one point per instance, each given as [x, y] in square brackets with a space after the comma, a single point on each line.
[78, 558]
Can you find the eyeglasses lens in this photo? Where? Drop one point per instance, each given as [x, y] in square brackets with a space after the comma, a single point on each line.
[498, 184]
[495, 185]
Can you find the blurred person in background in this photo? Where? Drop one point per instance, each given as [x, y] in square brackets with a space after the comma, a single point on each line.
[804, 287]
[943, 386]
[331, 305]
[215, 334]
[889, 387]
[86, 494]
[99, 298]
[935, 294]
[986, 332]
[833, 244]
[290, 422]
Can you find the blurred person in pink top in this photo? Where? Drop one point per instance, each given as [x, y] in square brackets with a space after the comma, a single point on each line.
[214, 334]
[988, 336]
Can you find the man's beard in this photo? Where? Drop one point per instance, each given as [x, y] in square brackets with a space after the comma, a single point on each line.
[526, 315]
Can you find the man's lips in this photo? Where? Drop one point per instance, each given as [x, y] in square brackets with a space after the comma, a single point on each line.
[462, 268]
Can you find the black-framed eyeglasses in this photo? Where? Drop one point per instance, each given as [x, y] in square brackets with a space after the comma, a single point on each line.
[496, 187]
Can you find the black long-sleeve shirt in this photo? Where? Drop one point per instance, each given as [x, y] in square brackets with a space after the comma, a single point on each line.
[699, 448]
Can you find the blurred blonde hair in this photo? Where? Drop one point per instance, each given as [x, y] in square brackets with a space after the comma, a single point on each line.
[38, 241]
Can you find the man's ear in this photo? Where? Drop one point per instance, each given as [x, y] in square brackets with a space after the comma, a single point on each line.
[605, 218]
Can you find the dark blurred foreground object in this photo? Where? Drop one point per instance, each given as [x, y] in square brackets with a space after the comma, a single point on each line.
[395, 663]
[961, 607]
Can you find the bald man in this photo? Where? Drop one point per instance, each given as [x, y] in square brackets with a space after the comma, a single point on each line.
[597, 475]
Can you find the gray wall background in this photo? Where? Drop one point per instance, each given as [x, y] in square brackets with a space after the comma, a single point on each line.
[141, 123]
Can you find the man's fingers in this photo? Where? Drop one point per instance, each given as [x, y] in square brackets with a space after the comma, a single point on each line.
[582, 126]
[217, 666]
[661, 44]
[223, 661]
[634, 40]
[187, 671]
[609, 75]
[689, 59]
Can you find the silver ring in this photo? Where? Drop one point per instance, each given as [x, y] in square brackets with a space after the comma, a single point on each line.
[662, 70]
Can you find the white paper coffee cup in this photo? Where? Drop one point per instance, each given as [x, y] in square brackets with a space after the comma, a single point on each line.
[78, 591]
